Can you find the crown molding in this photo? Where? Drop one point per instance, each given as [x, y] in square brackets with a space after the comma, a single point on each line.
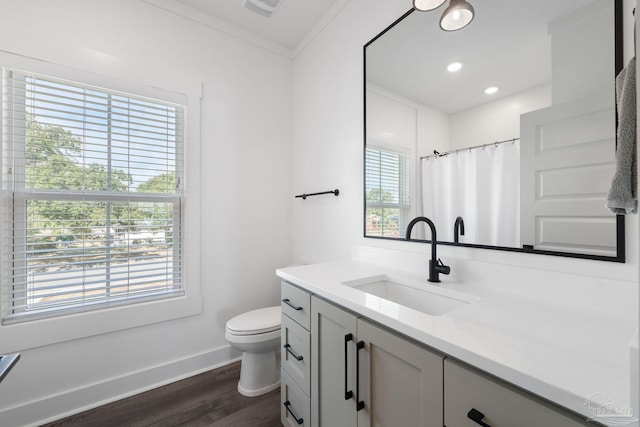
[220, 25]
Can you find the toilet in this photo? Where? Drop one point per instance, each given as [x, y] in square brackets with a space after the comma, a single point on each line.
[257, 335]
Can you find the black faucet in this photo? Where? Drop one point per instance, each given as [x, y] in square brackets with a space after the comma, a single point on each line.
[7, 361]
[435, 264]
[458, 229]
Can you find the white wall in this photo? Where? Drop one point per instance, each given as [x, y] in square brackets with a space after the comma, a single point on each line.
[245, 199]
[434, 131]
[391, 121]
[574, 69]
[328, 92]
[498, 120]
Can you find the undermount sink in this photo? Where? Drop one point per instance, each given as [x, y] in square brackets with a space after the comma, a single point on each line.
[418, 296]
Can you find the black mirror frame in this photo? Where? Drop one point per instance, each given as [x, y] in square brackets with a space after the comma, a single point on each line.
[620, 219]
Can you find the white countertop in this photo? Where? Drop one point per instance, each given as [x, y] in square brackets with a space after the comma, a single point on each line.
[569, 354]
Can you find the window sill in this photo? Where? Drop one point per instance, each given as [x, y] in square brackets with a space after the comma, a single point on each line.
[39, 333]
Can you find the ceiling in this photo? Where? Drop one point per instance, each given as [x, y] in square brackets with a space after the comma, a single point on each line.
[506, 45]
[514, 53]
[288, 26]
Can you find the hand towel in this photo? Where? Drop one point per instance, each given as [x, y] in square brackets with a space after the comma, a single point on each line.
[622, 197]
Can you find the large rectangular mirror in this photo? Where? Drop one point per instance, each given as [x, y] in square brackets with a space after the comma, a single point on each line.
[525, 166]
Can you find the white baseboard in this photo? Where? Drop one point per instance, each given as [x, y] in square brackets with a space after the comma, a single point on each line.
[69, 402]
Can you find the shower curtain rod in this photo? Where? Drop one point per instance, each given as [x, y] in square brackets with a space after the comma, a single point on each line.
[437, 154]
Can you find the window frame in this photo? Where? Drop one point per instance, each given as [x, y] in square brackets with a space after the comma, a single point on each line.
[112, 318]
[22, 194]
[404, 189]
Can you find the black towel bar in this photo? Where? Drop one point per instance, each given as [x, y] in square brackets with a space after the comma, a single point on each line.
[304, 196]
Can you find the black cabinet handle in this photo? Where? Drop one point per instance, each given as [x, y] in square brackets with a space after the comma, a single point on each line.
[359, 403]
[477, 416]
[288, 302]
[286, 405]
[295, 356]
[348, 394]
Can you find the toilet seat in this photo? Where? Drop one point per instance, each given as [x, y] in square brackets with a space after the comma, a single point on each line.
[256, 322]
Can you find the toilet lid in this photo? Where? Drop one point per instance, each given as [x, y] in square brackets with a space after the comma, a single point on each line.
[258, 321]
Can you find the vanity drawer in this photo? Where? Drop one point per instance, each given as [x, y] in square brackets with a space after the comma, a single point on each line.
[295, 405]
[295, 352]
[296, 304]
[501, 404]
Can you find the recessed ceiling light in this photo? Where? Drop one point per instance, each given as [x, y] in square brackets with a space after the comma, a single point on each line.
[491, 90]
[454, 66]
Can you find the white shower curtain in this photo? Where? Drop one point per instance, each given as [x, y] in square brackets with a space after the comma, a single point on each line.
[482, 186]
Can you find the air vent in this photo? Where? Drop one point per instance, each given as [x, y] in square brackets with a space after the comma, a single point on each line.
[262, 7]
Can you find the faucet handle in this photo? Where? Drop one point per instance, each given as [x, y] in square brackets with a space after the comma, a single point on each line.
[441, 268]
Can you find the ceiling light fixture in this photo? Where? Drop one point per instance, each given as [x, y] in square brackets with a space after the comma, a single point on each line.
[426, 5]
[454, 66]
[491, 90]
[457, 15]
[262, 7]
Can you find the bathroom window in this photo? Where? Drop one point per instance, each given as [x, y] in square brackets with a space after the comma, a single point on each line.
[92, 197]
[387, 192]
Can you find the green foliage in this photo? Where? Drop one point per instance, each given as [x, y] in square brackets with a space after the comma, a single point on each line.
[54, 161]
[381, 220]
[378, 195]
[96, 178]
[50, 153]
[160, 215]
[164, 183]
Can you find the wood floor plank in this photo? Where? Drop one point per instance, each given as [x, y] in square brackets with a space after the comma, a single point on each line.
[264, 413]
[208, 399]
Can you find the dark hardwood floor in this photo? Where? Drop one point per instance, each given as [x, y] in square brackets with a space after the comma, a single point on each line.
[208, 399]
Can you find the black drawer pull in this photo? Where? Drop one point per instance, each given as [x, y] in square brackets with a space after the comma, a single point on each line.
[295, 356]
[359, 403]
[348, 394]
[298, 420]
[477, 416]
[288, 302]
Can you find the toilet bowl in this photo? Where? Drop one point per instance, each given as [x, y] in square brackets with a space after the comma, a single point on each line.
[257, 335]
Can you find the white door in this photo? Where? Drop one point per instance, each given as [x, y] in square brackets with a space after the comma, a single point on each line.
[567, 163]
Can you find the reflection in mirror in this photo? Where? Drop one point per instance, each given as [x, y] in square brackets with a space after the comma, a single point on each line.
[508, 124]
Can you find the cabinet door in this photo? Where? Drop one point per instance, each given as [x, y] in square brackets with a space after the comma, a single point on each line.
[495, 403]
[400, 382]
[333, 364]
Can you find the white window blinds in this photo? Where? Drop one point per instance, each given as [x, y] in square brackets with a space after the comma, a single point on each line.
[387, 192]
[92, 196]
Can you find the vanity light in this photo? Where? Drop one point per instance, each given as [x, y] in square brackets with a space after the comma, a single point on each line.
[458, 15]
[426, 5]
[454, 66]
[491, 90]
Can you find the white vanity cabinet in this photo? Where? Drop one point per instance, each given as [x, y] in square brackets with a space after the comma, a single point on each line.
[340, 369]
[364, 375]
[295, 357]
[470, 394]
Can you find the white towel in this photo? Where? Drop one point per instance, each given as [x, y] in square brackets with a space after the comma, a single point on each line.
[622, 198]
